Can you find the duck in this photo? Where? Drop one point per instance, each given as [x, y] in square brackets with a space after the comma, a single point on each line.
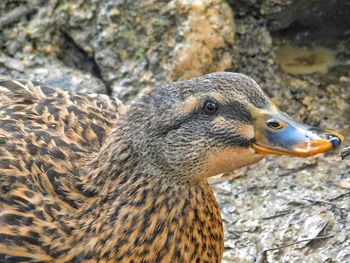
[84, 178]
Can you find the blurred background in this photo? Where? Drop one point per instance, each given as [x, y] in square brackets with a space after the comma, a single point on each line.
[297, 50]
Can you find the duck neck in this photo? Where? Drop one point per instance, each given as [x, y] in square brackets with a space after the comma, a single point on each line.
[116, 166]
[112, 166]
[123, 161]
[135, 209]
[151, 220]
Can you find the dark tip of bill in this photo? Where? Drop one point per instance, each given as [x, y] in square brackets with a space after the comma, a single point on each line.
[334, 140]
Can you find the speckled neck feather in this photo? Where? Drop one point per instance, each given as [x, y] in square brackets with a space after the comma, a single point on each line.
[144, 215]
[74, 191]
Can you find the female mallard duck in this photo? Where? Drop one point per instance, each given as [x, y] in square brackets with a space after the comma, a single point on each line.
[85, 179]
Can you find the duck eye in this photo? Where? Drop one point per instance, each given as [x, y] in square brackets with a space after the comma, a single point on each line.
[275, 125]
[210, 106]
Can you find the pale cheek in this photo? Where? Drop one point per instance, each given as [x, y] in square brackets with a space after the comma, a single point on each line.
[229, 159]
[246, 131]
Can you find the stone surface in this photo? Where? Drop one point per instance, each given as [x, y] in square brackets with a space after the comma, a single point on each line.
[51, 72]
[207, 29]
[130, 45]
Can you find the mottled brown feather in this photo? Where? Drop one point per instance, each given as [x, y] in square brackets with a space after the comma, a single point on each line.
[45, 136]
[58, 203]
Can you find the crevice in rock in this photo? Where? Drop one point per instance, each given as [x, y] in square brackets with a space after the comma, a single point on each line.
[72, 55]
[319, 22]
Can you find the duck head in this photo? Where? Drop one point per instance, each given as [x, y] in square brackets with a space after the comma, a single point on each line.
[217, 123]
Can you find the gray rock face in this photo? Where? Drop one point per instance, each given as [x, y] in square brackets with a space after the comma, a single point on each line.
[130, 45]
[51, 72]
[314, 21]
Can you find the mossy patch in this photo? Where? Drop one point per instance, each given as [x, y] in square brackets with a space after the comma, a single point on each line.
[301, 60]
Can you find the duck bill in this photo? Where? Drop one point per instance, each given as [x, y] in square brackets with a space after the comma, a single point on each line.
[278, 134]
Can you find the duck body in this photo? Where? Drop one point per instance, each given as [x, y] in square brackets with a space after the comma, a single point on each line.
[47, 213]
[85, 179]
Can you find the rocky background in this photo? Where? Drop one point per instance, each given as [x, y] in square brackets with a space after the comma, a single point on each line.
[280, 210]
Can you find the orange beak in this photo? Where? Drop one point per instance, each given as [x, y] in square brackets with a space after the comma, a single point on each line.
[278, 134]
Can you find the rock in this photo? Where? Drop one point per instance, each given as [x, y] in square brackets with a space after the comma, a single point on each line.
[322, 22]
[298, 60]
[53, 73]
[141, 44]
[313, 227]
[207, 31]
[129, 44]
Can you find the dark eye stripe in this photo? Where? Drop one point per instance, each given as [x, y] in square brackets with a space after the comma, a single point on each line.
[237, 111]
[234, 110]
[229, 139]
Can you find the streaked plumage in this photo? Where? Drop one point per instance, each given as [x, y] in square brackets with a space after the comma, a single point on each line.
[45, 138]
[48, 211]
[85, 179]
